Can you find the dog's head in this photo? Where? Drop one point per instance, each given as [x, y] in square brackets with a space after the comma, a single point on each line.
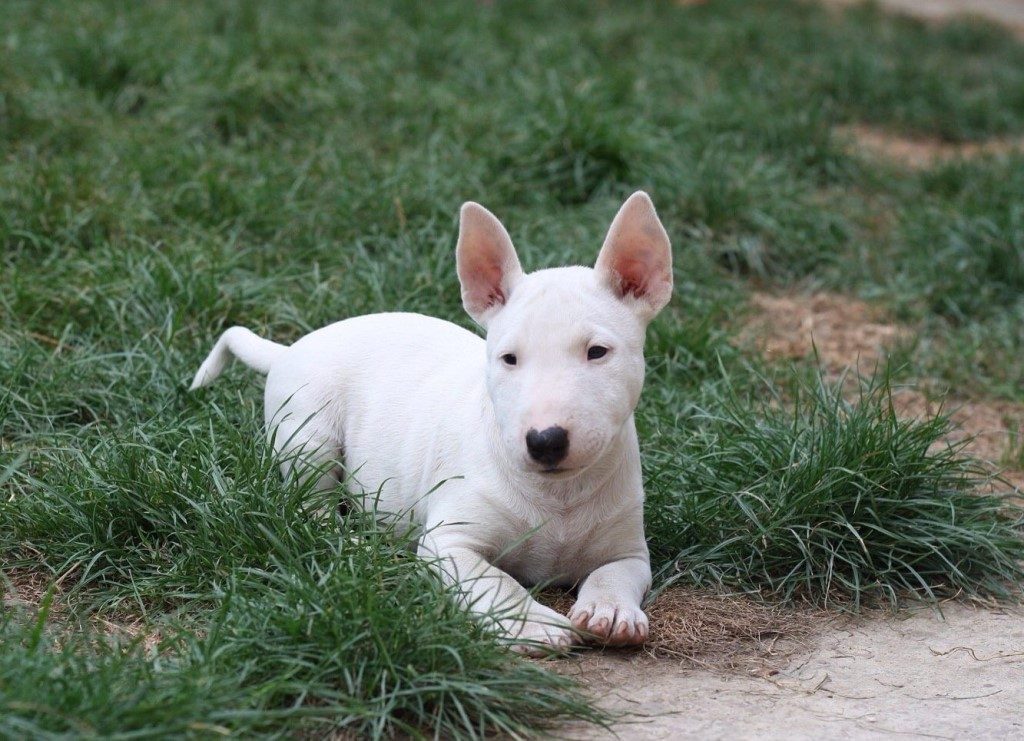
[565, 361]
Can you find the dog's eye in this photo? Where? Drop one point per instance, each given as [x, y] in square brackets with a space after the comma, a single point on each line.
[596, 352]
[509, 358]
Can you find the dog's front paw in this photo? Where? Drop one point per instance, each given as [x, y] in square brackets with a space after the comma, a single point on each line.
[538, 638]
[610, 622]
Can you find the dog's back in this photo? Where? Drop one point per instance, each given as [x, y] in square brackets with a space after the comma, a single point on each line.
[389, 393]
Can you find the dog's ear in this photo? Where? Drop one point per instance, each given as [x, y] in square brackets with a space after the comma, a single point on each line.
[636, 259]
[486, 261]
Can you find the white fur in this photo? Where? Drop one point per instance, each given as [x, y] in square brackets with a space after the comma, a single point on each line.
[408, 402]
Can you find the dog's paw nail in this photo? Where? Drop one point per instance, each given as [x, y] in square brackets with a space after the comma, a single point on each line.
[614, 624]
[581, 619]
[543, 639]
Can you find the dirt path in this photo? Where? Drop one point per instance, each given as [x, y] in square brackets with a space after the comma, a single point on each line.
[915, 675]
[1009, 13]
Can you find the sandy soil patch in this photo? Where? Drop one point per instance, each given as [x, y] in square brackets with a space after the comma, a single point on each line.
[955, 675]
[849, 333]
[922, 152]
[845, 332]
[1008, 13]
[989, 430]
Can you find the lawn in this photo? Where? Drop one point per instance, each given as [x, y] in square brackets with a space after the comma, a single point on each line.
[170, 169]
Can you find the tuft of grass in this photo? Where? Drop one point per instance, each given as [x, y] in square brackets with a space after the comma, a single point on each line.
[833, 501]
[291, 660]
[288, 616]
[572, 148]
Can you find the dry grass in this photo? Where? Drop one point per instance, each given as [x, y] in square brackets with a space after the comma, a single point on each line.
[720, 632]
[725, 632]
[25, 589]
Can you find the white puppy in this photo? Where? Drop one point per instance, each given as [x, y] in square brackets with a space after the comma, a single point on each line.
[531, 431]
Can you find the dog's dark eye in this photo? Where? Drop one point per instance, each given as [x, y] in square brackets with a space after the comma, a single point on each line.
[509, 358]
[596, 352]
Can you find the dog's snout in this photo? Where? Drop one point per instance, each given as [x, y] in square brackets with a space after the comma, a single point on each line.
[548, 446]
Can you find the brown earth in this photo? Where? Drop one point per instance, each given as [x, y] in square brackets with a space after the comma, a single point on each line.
[921, 152]
[917, 674]
[850, 334]
[988, 430]
[845, 332]
[25, 590]
[1008, 13]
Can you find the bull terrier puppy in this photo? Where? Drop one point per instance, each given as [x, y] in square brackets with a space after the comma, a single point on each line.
[531, 429]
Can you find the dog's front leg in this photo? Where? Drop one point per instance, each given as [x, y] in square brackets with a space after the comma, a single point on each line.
[608, 605]
[497, 597]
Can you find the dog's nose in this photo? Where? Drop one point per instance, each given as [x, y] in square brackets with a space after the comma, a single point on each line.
[548, 446]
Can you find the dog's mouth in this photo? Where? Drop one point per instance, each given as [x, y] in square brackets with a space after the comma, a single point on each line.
[554, 470]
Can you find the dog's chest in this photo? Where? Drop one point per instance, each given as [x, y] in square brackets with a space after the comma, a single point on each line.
[561, 551]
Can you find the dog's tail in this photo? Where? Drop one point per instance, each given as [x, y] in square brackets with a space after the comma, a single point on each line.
[239, 342]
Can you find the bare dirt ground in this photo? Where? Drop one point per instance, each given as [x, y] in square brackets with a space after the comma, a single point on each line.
[922, 153]
[1009, 13]
[914, 675]
[848, 333]
[24, 589]
[843, 331]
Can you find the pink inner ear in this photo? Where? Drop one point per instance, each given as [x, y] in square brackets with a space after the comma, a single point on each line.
[633, 272]
[487, 284]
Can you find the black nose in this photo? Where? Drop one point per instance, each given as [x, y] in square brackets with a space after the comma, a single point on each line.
[548, 446]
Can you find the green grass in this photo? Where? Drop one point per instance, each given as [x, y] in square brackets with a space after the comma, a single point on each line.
[281, 616]
[170, 169]
[825, 500]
